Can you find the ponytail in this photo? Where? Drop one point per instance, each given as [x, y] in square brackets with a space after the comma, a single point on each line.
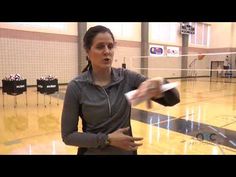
[88, 66]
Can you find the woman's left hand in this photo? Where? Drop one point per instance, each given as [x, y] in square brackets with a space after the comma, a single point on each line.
[149, 89]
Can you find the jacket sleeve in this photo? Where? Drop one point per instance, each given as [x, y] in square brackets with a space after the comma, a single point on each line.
[170, 98]
[69, 122]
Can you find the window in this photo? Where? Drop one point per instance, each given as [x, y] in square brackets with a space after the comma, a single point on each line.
[163, 32]
[42, 25]
[201, 36]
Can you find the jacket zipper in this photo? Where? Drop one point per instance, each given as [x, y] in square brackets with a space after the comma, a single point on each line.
[108, 100]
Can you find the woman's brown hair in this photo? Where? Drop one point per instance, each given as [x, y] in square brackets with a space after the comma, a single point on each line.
[88, 40]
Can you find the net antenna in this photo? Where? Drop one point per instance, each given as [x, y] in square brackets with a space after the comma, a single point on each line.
[124, 63]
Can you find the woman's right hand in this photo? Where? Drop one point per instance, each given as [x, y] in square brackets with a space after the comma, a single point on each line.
[120, 140]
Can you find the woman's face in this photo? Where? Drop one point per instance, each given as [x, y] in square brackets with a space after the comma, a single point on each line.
[102, 51]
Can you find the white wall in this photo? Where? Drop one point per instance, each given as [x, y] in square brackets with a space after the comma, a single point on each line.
[165, 33]
[68, 28]
[221, 35]
[233, 28]
[130, 31]
[125, 54]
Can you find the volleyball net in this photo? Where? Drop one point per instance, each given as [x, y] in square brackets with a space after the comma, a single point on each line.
[221, 65]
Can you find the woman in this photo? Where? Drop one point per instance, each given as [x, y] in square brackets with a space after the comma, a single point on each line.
[97, 97]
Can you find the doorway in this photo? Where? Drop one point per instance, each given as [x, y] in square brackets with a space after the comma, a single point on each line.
[217, 68]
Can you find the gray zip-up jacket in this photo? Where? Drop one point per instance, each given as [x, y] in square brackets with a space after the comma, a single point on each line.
[102, 110]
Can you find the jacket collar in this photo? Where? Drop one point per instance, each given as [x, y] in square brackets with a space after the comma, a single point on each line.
[116, 76]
